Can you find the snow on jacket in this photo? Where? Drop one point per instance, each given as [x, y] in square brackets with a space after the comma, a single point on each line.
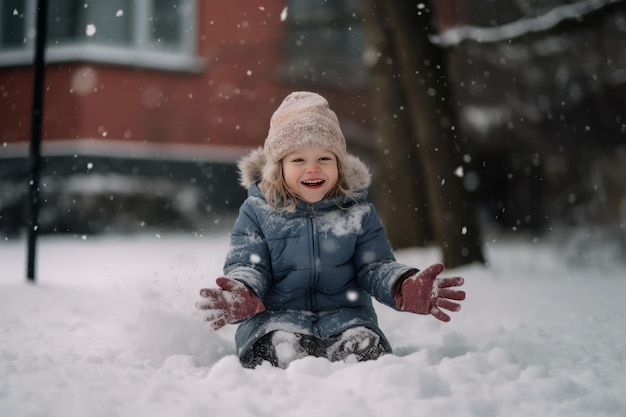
[315, 269]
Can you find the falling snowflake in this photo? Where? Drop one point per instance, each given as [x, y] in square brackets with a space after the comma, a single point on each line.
[90, 30]
[352, 296]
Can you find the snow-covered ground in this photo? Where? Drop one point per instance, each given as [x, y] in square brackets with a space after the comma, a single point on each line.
[110, 329]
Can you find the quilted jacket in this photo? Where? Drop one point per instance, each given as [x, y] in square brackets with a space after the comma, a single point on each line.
[316, 269]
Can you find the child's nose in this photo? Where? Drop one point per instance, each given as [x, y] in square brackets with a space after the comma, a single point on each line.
[313, 167]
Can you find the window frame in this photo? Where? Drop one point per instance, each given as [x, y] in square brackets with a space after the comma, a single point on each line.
[343, 70]
[138, 54]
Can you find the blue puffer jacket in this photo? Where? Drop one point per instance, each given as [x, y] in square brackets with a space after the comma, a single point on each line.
[315, 269]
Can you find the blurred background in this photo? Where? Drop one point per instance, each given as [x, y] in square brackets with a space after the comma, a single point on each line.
[473, 115]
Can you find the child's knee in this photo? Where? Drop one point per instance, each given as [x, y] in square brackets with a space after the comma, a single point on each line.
[280, 347]
[361, 342]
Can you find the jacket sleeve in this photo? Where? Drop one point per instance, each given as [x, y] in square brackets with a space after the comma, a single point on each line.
[248, 258]
[377, 268]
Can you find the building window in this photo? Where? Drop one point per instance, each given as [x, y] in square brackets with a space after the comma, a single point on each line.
[325, 43]
[150, 33]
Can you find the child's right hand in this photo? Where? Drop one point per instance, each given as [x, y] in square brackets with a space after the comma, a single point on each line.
[232, 302]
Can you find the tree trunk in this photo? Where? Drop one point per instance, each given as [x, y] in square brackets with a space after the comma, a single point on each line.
[400, 203]
[433, 122]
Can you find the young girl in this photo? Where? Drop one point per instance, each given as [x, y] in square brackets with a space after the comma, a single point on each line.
[308, 252]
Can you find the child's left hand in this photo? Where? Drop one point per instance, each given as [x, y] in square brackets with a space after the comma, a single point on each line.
[424, 293]
[232, 302]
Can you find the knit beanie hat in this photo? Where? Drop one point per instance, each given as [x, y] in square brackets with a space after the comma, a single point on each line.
[303, 119]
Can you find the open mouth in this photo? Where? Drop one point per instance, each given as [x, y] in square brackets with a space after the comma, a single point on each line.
[313, 183]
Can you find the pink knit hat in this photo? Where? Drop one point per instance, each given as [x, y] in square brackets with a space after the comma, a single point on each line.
[303, 119]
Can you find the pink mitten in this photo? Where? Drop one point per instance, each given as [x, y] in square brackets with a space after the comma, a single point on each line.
[424, 293]
[232, 302]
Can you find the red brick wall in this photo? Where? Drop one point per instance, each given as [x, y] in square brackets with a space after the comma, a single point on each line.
[228, 103]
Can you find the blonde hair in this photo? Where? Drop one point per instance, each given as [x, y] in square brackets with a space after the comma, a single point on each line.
[279, 197]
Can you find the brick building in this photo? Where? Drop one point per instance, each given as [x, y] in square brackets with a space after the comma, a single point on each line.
[165, 95]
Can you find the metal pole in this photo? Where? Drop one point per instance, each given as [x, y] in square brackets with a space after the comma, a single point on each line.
[35, 136]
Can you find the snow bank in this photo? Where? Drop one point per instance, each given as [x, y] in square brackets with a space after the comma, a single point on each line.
[110, 330]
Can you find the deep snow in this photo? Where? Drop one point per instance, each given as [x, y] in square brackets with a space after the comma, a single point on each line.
[110, 329]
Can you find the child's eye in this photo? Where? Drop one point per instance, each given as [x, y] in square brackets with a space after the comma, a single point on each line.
[326, 158]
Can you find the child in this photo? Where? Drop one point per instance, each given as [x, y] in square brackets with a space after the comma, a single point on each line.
[308, 252]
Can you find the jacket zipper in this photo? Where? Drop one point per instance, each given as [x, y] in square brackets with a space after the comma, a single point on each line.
[313, 256]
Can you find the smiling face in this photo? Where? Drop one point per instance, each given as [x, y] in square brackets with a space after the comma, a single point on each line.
[310, 173]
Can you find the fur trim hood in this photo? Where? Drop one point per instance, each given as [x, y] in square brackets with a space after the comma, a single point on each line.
[252, 167]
